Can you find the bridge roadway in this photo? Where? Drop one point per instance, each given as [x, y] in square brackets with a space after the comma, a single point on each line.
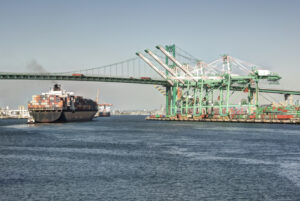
[48, 76]
[53, 76]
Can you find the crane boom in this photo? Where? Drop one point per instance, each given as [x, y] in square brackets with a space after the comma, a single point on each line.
[163, 64]
[154, 67]
[176, 62]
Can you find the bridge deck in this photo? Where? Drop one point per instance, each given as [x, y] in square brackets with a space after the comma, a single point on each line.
[49, 76]
[18, 76]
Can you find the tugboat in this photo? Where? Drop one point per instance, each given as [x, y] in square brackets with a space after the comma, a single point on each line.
[103, 110]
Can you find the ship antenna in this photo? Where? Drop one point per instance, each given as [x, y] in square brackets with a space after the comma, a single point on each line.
[97, 98]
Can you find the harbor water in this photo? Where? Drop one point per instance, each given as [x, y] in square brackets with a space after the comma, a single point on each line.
[129, 158]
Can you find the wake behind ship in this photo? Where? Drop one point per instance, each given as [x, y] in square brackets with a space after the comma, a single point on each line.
[57, 105]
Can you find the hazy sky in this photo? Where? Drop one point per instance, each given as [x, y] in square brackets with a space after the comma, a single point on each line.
[67, 35]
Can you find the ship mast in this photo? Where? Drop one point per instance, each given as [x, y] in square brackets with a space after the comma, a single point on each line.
[97, 98]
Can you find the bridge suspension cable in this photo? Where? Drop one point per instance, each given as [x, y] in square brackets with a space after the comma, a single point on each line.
[130, 68]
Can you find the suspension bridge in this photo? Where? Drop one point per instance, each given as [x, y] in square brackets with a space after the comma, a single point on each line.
[132, 70]
[191, 86]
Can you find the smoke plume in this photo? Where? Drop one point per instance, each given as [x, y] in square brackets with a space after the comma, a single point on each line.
[33, 66]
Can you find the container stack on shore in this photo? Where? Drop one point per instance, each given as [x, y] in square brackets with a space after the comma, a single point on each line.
[267, 114]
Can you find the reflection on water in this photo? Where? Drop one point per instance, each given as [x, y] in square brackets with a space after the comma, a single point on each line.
[128, 158]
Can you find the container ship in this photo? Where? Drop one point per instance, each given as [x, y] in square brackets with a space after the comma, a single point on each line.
[58, 105]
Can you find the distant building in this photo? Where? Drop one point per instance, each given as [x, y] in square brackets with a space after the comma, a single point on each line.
[20, 113]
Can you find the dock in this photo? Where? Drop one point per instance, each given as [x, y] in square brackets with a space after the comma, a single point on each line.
[227, 120]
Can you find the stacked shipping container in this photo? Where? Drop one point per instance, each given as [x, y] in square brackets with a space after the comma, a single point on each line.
[45, 102]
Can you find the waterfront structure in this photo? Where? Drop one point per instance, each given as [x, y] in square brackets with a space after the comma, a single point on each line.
[20, 113]
[205, 90]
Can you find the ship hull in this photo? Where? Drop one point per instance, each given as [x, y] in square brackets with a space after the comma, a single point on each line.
[46, 116]
[62, 116]
[104, 114]
[68, 116]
